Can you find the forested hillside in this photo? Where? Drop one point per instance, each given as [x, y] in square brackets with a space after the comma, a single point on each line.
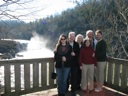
[110, 16]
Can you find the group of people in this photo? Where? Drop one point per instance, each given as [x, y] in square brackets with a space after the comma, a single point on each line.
[78, 61]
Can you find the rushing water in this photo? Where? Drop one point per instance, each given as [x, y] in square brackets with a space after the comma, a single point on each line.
[36, 48]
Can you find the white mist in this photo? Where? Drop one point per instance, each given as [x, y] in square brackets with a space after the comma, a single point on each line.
[36, 48]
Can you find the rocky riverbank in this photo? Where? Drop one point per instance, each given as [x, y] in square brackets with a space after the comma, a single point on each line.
[8, 48]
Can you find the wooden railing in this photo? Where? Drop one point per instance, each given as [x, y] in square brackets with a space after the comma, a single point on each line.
[31, 75]
[117, 74]
[26, 76]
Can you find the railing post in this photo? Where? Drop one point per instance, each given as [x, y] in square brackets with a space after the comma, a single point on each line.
[17, 77]
[124, 77]
[117, 75]
[43, 74]
[7, 79]
[27, 76]
[35, 75]
[51, 66]
[110, 73]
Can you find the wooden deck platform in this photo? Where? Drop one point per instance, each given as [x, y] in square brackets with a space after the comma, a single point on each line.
[53, 92]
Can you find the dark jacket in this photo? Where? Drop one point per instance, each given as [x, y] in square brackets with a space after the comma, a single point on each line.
[101, 50]
[75, 58]
[58, 56]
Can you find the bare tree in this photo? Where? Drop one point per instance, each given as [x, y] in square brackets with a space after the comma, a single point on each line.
[111, 16]
[17, 9]
[21, 10]
[122, 7]
[121, 31]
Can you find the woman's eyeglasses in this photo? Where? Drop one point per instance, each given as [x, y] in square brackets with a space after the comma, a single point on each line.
[63, 39]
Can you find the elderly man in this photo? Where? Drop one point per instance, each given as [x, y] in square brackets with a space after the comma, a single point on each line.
[75, 64]
[90, 35]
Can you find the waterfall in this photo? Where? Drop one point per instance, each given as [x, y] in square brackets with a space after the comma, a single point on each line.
[36, 48]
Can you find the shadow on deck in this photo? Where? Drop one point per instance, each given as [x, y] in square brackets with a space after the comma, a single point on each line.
[53, 92]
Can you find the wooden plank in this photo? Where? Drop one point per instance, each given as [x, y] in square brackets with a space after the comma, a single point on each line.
[24, 61]
[27, 76]
[110, 72]
[17, 77]
[35, 75]
[124, 76]
[7, 78]
[117, 74]
[106, 72]
[51, 66]
[43, 74]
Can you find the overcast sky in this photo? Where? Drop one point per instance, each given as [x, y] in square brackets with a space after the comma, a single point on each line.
[45, 7]
[54, 6]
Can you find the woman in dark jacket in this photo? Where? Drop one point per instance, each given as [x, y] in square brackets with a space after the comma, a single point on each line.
[62, 58]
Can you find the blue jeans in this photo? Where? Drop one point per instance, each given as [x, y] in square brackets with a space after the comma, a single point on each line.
[62, 75]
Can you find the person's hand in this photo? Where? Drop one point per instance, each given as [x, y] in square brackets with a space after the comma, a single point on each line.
[93, 55]
[81, 67]
[63, 58]
[73, 54]
[55, 51]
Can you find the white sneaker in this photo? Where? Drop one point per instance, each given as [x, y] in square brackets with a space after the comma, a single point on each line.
[96, 90]
[100, 89]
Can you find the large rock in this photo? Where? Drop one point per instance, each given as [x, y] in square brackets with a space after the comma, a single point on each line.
[9, 48]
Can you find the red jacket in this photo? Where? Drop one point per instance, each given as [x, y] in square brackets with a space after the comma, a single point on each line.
[86, 57]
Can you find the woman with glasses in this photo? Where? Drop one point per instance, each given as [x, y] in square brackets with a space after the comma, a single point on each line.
[62, 58]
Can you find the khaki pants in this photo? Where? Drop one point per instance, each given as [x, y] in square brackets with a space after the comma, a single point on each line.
[87, 77]
[99, 73]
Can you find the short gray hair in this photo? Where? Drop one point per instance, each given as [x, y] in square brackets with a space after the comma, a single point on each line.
[71, 33]
[89, 31]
